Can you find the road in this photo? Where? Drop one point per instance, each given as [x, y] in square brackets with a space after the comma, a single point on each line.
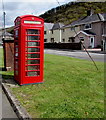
[76, 54]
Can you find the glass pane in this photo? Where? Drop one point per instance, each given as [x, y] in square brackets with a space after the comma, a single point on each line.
[16, 54]
[16, 49]
[33, 67]
[33, 61]
[16, 43]
[16, 59]
[33, 31]
[33, 44]
[35, 73]
[33, 55]
[33, 50]
[33, 37]
[16, 33]
[16, 65]
[16, 72]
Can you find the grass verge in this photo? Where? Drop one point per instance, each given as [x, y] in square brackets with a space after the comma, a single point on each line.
[72, 88]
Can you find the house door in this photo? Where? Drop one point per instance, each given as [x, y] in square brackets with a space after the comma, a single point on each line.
[92, 42]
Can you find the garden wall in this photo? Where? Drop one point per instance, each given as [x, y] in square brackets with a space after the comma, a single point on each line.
[72, 46]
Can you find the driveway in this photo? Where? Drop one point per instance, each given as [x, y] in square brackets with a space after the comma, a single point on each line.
[76, 54]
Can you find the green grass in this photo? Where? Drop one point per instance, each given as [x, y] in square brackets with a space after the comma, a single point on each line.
[1, 57]
[4, 74]
[72, 88]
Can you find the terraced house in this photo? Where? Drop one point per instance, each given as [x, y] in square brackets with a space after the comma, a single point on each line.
[91, 30]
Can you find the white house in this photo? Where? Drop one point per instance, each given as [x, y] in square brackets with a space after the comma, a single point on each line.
[47, 31]
[53, 32]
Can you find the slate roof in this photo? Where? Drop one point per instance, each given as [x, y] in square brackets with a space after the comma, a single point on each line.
[57, 26]
[86, 32]
[89, 32]
[6, 33]
[88, 19]
[49, 25]
[103, 16]
[53, 26]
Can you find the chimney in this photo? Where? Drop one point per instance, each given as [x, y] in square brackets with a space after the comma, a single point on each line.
[90, 12]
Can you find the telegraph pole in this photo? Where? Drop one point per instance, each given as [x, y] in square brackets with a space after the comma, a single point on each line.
[4, 14]
[4, 33]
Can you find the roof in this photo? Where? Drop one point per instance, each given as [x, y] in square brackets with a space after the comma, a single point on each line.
[57, 26]
[6, 34]
[53, 26]
[89, 32]
[28, 16]
[86, 32]
[49, 25]
[88, 19]
[103, 16]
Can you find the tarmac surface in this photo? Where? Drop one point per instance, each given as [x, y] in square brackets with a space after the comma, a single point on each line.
[6, 111]
[96, 55]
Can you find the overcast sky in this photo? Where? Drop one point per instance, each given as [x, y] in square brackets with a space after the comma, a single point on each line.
[14, 8]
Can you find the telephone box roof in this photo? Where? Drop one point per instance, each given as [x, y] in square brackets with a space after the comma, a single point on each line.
[23, 16]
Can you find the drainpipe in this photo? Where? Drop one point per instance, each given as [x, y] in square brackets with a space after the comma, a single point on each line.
[60, 36]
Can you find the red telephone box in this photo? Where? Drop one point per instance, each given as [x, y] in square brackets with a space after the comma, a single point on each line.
[28, 49]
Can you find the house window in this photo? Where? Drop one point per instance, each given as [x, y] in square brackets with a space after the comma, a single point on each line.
[45, 32]
[52, 31]
[52, 40]
[45, 40]
[63, 40]
[71, 39]
[63, 30]
[81, 39]
[87, 26]
[72, 28]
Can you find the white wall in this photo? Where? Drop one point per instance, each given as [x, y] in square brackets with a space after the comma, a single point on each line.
[60, 34]
[47, 35]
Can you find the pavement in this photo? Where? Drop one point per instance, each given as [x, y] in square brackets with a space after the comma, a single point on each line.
[11, 107]
[96, 55]
[6, 110]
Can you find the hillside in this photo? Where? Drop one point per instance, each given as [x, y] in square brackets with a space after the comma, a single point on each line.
[72, 11]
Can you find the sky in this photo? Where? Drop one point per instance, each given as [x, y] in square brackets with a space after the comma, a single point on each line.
[14, 8]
